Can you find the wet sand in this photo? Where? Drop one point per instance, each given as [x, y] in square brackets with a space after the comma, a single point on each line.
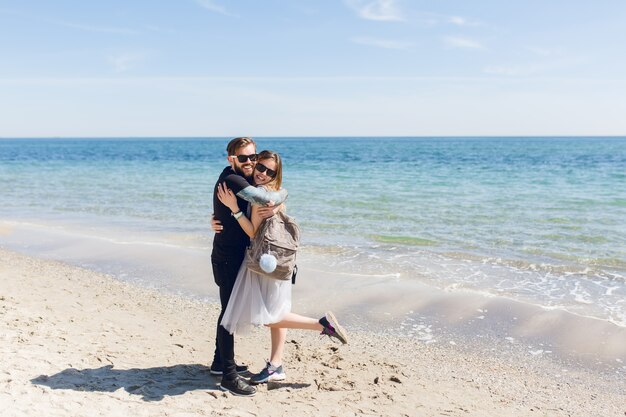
[76, 342]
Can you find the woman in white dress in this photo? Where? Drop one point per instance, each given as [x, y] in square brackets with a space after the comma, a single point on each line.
[259, 300]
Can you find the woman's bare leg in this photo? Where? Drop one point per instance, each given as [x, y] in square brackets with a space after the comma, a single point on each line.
[279, 335]
[296, 321]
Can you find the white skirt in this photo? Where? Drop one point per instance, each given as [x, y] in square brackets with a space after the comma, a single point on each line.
[256, 300]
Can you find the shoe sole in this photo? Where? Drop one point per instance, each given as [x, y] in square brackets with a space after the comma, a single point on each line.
[343, 336]
[236, 393]
[273, 377]
[220, 373]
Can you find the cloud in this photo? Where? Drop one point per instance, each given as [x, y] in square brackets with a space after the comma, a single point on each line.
[214, 7]
[463, 43]
[510, 71]
[540, 51]
[436, 19]
[528, 69]
[90, 28]
[72, 25]
[382, 43]
[195, 80]
[124, 61]
[462, 21]
[382, 10]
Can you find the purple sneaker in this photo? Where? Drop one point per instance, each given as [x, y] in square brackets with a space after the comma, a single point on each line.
[333, 329]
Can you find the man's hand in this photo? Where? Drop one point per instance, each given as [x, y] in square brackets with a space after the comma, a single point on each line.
[216, 225]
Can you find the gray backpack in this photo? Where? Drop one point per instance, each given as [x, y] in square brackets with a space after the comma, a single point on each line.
[279, 236]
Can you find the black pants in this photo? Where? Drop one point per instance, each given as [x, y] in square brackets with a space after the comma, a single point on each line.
[225, 271]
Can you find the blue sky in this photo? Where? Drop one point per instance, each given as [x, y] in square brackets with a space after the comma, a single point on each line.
[312, 67]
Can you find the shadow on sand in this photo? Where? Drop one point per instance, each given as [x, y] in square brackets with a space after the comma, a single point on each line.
[152, 384]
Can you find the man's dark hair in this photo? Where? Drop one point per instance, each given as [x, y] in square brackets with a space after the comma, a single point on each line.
[237, 143]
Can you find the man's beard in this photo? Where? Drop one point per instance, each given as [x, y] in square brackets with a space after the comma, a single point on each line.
[239, 171]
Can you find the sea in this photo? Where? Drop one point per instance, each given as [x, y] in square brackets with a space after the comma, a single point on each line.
[539, 220]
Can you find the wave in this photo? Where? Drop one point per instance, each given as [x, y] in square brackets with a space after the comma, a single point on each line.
[589, 268]
[403, 240]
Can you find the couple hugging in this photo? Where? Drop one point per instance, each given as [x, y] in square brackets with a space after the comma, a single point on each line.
[248, 193]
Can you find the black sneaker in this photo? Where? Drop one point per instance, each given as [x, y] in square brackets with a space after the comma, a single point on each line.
[333, 329]
[238, 386]
[269, 373]
[216, 369]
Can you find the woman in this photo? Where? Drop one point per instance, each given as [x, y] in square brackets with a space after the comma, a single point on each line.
[260, 300]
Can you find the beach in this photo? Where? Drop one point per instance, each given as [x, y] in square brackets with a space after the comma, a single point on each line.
[488, 281]
[456, 172]
[78, 342]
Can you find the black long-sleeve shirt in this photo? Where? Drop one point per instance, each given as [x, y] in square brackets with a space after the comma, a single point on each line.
[232, 240]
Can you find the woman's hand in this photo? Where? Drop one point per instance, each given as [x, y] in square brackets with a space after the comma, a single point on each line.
[216, 225]
[265, 212]
[227, 197]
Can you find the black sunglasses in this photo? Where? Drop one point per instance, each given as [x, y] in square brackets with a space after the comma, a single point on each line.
[262, 168]
[244, 158]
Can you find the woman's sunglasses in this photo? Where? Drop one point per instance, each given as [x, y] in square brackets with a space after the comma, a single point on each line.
[262, 168]
[244, 158]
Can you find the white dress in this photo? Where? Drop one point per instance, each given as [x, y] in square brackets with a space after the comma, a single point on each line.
[256, 300]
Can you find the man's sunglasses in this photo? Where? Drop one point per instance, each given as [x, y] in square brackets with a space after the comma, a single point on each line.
[244, 158]
[262, 168]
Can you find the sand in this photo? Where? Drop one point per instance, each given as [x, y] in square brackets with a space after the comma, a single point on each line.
[78, 343]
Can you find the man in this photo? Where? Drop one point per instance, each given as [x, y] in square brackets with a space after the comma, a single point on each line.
[229, 248]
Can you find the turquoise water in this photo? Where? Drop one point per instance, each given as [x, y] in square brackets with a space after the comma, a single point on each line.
[539, 220]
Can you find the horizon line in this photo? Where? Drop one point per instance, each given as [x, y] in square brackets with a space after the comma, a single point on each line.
[617, 136]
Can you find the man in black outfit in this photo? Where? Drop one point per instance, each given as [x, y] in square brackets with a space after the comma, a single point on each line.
[229, 248]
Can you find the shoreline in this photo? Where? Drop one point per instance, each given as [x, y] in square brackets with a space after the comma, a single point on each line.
[75, 337]
[391, 304]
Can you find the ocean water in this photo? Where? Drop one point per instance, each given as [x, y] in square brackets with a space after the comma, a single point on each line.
[537, 220]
